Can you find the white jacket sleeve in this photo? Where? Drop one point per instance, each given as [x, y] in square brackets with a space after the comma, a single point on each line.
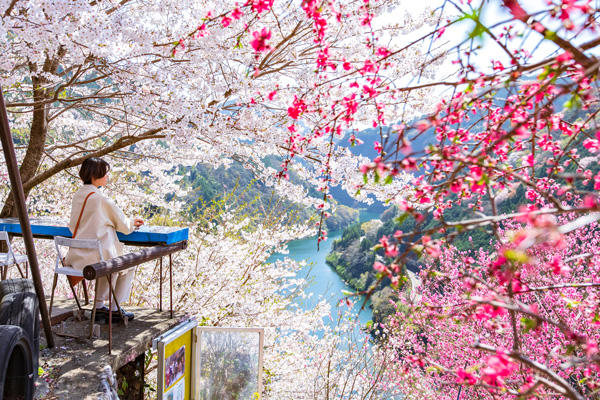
[120, 221]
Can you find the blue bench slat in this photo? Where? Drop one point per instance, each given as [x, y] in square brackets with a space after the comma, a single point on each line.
[145, 234]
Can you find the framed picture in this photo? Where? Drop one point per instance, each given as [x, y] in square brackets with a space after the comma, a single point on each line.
[230, 363]
[176, 353]
[209, 363]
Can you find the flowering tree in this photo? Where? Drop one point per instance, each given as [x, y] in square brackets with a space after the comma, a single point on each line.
[518, 321]
[129, 79]
[156, 84]
[523, 311]
[240, 81]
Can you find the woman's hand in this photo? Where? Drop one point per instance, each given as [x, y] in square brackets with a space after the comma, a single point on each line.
[137, 222]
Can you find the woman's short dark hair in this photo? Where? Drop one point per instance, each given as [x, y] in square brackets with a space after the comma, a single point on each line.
[93, 168]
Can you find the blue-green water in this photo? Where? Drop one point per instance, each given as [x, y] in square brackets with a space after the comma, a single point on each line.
[324, 281]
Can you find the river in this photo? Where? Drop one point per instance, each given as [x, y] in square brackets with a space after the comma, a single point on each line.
[324, 281]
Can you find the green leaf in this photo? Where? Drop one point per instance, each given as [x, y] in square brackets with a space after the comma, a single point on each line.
[573, 103]
[571, 303]
[528, 324]
[400, 219]
[388, 180]
[484, 179]
[479, 28]
[478, 31]
[433, 368]
[516, 256]
[550, 35]
[469, 88]
[545, 73]
[418, 249]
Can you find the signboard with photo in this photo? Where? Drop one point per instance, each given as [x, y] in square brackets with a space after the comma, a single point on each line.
[209, 363]
[175, 362]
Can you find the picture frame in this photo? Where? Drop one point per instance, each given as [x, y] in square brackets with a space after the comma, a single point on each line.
[176, 362]
[233, 352]
[208, 363]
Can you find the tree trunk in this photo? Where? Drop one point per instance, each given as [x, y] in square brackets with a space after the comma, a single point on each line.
[39, 128]
[35, 147]
[30, 168]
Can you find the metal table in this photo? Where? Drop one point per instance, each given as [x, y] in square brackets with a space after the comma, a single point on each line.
[161, 240]
[47, 228]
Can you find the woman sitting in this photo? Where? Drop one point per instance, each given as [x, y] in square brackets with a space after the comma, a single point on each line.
[95, 216]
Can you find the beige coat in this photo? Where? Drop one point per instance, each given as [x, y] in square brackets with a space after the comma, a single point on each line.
[101, 219]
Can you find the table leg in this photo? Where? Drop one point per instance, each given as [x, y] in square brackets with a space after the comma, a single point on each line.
[110, 295]
[160, 280]
[171, 283]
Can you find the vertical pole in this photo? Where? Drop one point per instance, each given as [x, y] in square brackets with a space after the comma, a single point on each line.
[160, 280]
[19, 196]
[110, 296]
[171, 283]
[93, 316]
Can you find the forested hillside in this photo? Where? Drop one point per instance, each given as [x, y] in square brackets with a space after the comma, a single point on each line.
[205, 184]
[353, 255]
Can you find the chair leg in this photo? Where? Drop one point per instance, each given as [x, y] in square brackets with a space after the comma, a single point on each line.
[74, 294]
[27, 269]
[85, 293]
[4, 272]
[52, 295]
[20, 271]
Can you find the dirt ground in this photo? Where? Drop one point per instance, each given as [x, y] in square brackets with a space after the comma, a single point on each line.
[72, 369]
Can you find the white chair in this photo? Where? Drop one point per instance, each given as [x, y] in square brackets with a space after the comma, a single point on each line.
[69, 271]
[10, 258]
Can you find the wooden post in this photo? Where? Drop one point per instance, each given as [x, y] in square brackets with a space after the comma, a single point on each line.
[17, 190]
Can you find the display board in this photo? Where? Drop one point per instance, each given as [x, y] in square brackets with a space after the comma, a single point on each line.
[209, 363]
[176, 353]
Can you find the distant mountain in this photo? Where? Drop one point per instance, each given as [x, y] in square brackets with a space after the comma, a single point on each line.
[352, 256]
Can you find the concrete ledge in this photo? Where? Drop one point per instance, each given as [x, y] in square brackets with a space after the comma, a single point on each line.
[72, 369]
